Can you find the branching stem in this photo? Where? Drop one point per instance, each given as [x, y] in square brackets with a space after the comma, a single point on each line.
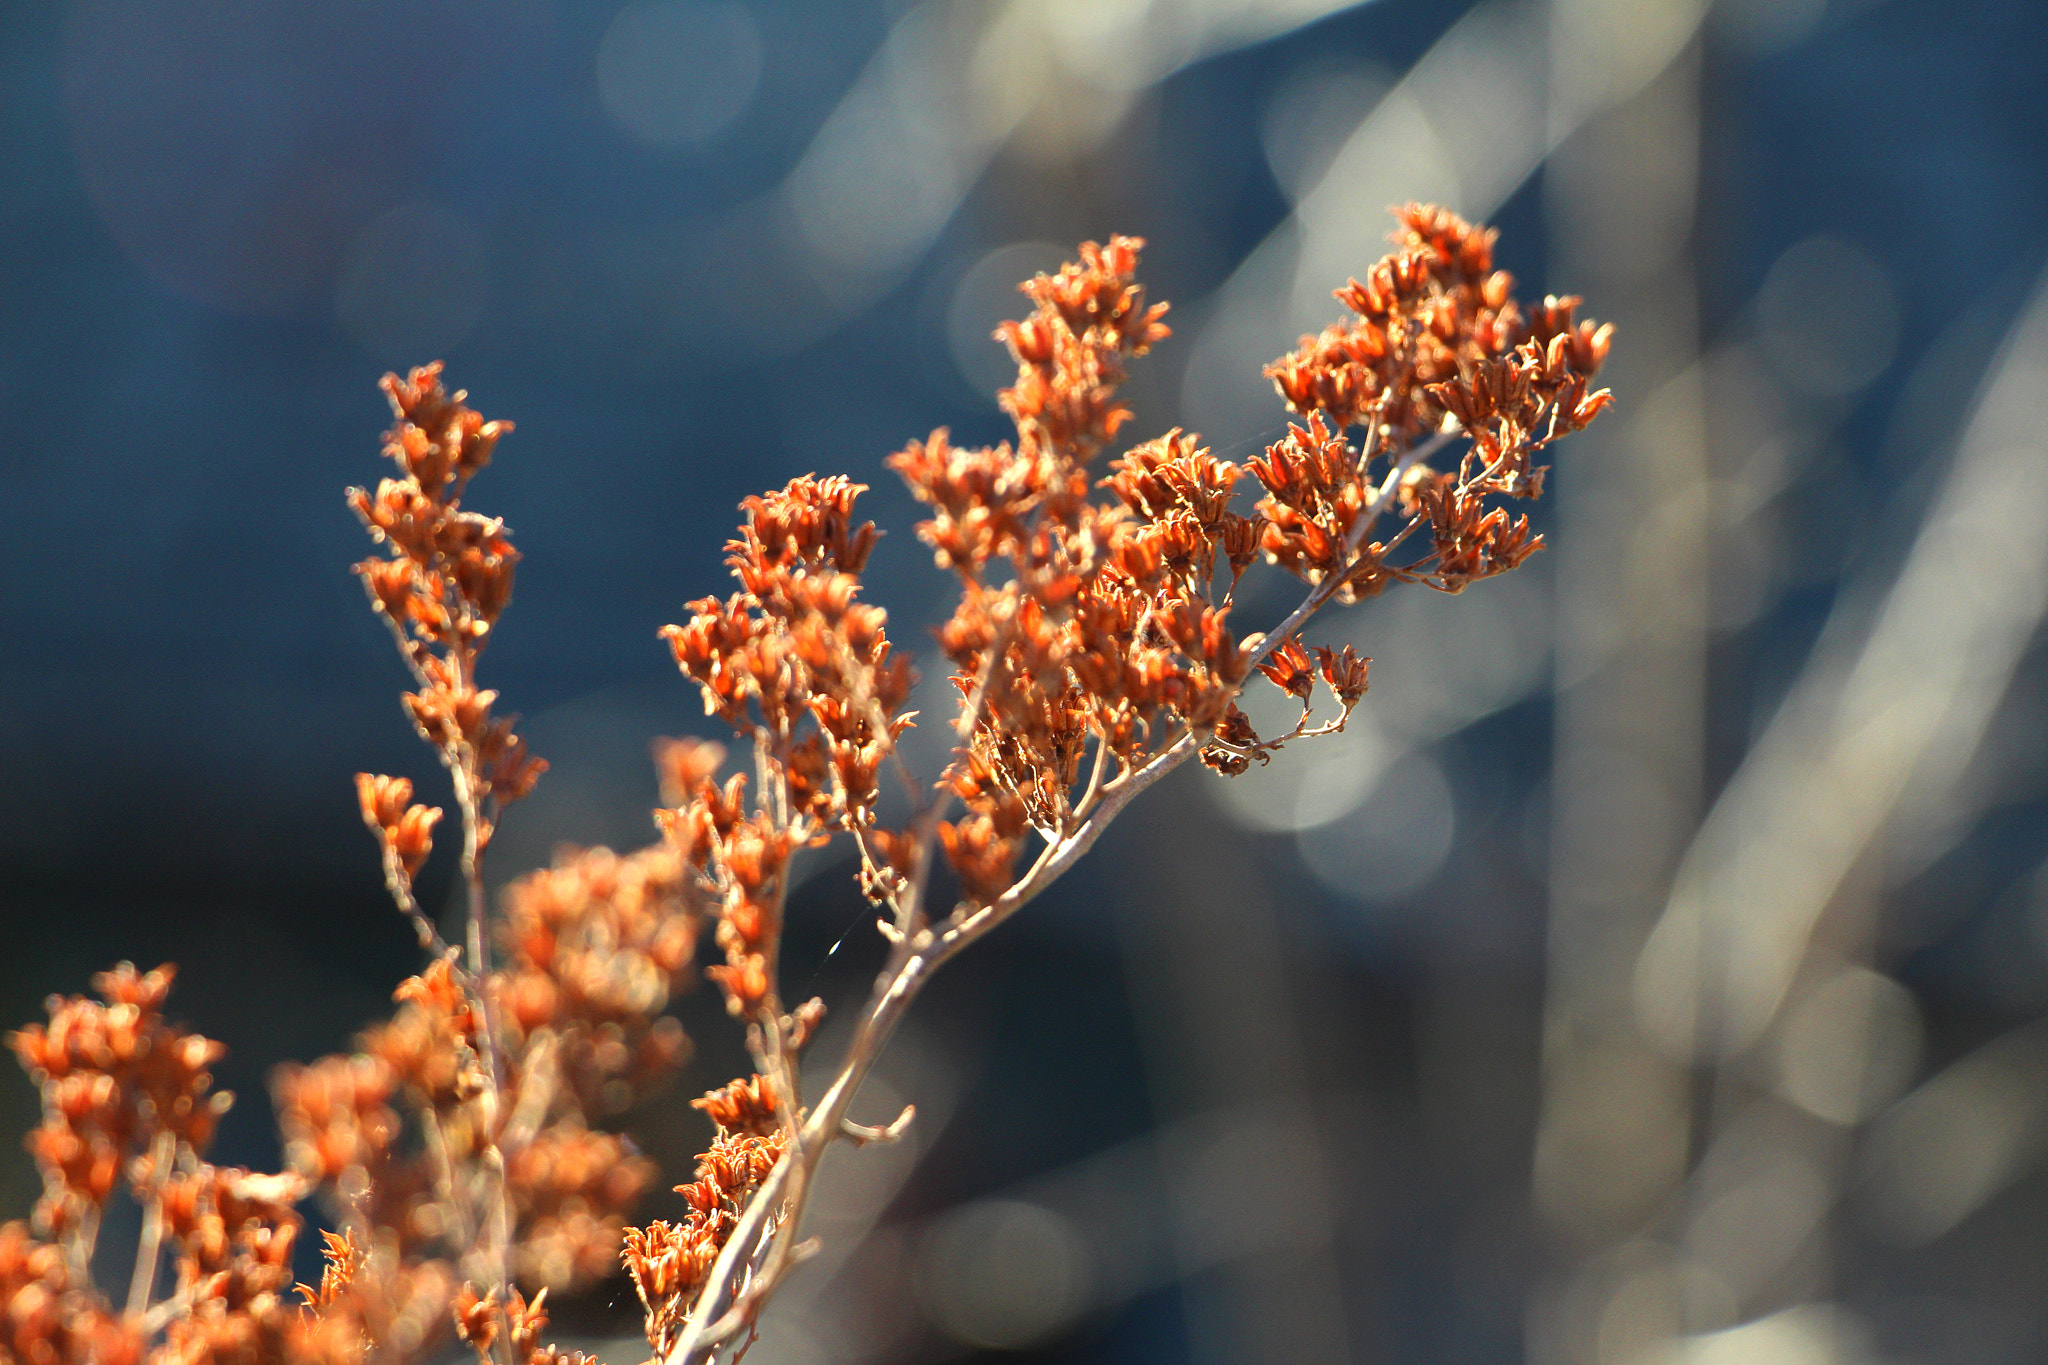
[772, 1217]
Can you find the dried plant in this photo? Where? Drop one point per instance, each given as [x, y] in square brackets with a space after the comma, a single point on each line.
[459, 1151]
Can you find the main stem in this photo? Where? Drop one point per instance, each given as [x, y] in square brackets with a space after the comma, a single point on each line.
[471, 793]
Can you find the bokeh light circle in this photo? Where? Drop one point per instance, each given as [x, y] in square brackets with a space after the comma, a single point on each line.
[675, 73]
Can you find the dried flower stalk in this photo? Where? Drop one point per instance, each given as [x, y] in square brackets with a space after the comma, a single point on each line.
[460, 1147]
[1091, 643]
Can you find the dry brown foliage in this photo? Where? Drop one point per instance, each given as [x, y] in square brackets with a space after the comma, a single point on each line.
[460, 1150]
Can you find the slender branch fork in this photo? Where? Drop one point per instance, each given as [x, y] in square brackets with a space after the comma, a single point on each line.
[760, 1248]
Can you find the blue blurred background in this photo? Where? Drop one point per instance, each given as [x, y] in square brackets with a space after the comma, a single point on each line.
[1657, 970]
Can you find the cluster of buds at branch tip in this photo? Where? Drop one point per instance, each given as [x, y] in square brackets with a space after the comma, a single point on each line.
[446, 579]
[405, 830]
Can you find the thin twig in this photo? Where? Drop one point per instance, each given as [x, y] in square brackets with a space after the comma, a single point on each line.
[540, 1076]
[861, 1134]
[78, 1246]
[160, 1316]
[400, 887]
[444, 1176]
[1094, 786]
[143, 1283]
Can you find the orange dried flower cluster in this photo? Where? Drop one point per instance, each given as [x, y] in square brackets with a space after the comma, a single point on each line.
[445, 579]
[597, 946]
[1432, 313]
[47, 1317]
[397, 1135]
[670, 1262]
[128, 1101]
[1437, 347]
[512, 1328]
[404, 830]
[1075, 619]
[797, 663]
[459, 1147]
[235, 1230]
[115, 1079]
